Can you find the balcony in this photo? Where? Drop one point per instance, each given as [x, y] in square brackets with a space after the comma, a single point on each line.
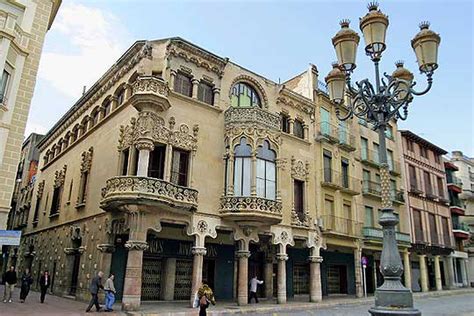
[251, 116]
[397, 196]
[415, 190]
[251, 210]
[339, 181]
[370, 157]
[150, 93]
[376, 234]
[371, 188]
[454, 183]
[148, 193]
[333, 134]
[13, 31]
[461, 230]
[456, 206]
[340, 226]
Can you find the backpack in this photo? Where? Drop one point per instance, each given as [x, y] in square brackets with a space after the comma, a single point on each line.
[203, 301]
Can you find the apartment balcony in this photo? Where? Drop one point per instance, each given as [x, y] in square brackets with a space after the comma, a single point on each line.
[338, 181]
[457, 207]
[147, 193]
[439, 244]
[397, 196]
[334, 134]
[341, 226]
[10, 29]
[151, 93]
[253, 116]
[251, 210]
[454, 183]
[461, 230]
[371, 158]
[415, 190]
[376, 234]
[374, 189]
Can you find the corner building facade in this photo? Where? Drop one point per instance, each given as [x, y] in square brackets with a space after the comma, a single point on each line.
[180, 167]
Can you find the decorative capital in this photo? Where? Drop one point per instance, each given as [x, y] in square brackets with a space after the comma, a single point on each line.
[243, 254]
[106, 248]
[145, 144]
[136, 245]
[315, 259]
[282, 256]
[199, 251]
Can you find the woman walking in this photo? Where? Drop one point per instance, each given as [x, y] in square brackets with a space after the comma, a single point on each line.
[26, 281]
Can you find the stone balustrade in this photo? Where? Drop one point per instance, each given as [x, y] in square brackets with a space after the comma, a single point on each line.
[251, 210]
[251, 115]
[150, 93]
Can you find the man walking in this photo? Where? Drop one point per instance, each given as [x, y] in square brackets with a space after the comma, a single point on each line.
[96, 284]
[109, 293]
[26, 281]
[10, 281]
[254, 282]
[45, 280]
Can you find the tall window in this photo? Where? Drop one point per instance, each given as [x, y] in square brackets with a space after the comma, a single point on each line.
[298, 129]
[347, 211]
[376, 153]
[266, 179]
[364, 148]
[427, 178]
[327, 163]
[179, 167]
[56, 201]
[125, 157]
[3, 86]
[95, 118]
[285, 122]
[437, 158]
[156, 165]
[83, 187]
[440, 187]
[107, 107]
[366, 178]
[418, 226]
[244, 96]
[369, 216]
[447, 240]
[389, 132]
[345, 172]
[325, 121]
[393, 189]
[412, 174]
[242, 163]
[423, 152]
[390, 160]
[183, 84]
[342, 132]
[37, 206]
[410, 145]
[205, 93]
[299, 197]
[121, 96]
[433, 231]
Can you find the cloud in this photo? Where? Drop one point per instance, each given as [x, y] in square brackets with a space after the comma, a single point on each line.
[91, 41]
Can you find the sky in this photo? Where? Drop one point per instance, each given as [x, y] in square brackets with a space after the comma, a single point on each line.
[275, 39]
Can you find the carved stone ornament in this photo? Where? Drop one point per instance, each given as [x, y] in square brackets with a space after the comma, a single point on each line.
[282, 236]
[199, 251]
[294, 100]
[59, 177]
[86, 162]
[242, 254]
[282, 256]
[75, 232]
[255, 136]
[151, 127]
[296, 220]
[202, 226]
[315, 259]
[39, 193]
[136, 245]
[299, 169]
[106, 248]
[119, 226]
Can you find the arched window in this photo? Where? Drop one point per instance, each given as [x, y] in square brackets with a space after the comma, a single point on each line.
[107, 107]
[244, 96]
[95, 118]
[266, 176]
[120, 96]
[242, 167]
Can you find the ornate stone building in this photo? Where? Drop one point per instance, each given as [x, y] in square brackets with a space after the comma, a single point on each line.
[23, 26]
[179, 166]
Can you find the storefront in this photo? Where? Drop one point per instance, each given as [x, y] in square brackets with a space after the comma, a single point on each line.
[337, 273]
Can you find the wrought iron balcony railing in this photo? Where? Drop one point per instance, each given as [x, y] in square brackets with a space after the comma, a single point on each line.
[340, 181]
[461, 226]
[341, 225]
[377, 234]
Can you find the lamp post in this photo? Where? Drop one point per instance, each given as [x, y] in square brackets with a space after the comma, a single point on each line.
[387, 100]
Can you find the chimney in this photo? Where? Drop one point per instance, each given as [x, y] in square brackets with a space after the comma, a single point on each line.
[83, 90]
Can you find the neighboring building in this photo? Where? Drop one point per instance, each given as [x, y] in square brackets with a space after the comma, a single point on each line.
[23, 192]
[460, 229]
[428, 205]
[465, 174]
[23, 26]
[180, 166]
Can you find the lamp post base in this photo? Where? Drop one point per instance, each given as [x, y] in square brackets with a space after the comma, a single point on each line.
[395, 301]
[393, 311]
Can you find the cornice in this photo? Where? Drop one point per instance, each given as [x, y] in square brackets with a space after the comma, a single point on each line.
[296, 101]
[419, 162]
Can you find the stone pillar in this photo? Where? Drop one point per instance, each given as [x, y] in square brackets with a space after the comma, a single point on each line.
[315, 293]
[268, 279]
[291, 123]
[198, 259]
[437, 270]
[464, 264]
[172, 79]
[230, 179]
[281, 278]
[144, 147]
[195, 83]
[128, 92]
[132, 287]
[305, 131]
[358, 272]
[242, 291]
[407, 269]
[423, 273]
[449, 268]
[217, 94]
[253, 174]
[168, 279]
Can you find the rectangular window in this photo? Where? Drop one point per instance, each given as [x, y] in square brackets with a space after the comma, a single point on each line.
[299, 197]
[242, 176]
[266, 179]
[447, 240]
[369, 216]
[423, 152]
[440, 187]
[366, 178]
[183, 85]
[393, 189]
[156, 165]
[3, 86]
[285, 123]
[179, 167]
[329, 206]
[56, 201]
[343, 132]
[347, 211]
[433, 230]
[298, 130]
[83, 188]
[376, 153]
[37, 206]
[412, 174]
[437, 158]
[205, 93]
[125, 157]
[389, 132]
[325, 121]
[410, 145]
[427, 178]
[364, 148]
[327, 161]
[418, 226]
[390, 162]
[345, 172]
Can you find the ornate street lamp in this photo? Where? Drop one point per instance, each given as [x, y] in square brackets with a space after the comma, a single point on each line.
[387, 101]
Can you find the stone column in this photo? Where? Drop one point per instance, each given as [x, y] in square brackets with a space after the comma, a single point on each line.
[291, 123]
[168, 279]
[253, 174]
[168, 162]
[198, 259]
[437, 270]
[423, 273]
[268, 278]
[449, 268]
[230, 179]
[281, 278]
[315, 293]
[172, 79]
[407, 269]
[358, 272]
[132, 287]
[242, 291]
[195, 83]
[464, 263]
[128, 92]
[144, 147]
[217, 94]
[305, 131]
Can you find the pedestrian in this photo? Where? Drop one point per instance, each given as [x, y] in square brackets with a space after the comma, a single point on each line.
[254, 282]
[26, 281]
[10, 282]
[109, 293]
[96, 284]
[45, 281]
[203, 297]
